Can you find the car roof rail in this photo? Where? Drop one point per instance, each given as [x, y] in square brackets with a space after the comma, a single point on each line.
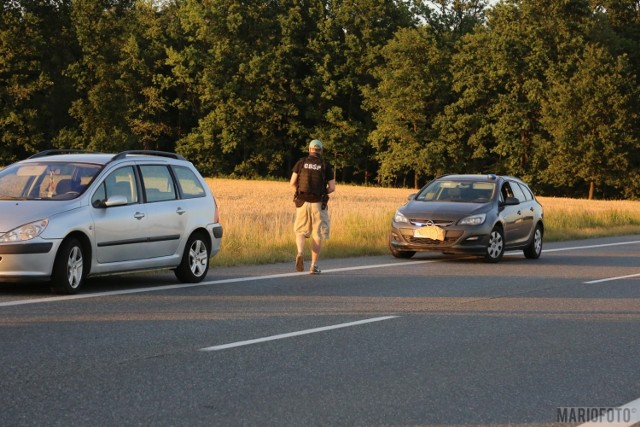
[126, 153]
[58, 151]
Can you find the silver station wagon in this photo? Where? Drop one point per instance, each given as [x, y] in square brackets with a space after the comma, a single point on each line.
[66, 216]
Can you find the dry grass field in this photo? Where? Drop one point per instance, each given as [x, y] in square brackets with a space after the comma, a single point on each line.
[567, 219]
[257, 217]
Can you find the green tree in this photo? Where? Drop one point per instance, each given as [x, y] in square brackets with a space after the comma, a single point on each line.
[620, 20]
[278, 74]
[413, 85]
[141, 64]
[275, 76]
[501, 77]
[593, 117]
[35, 45]
[249, 84]
[451, 19]
[102, 28]
[343, 54]
[21, 79]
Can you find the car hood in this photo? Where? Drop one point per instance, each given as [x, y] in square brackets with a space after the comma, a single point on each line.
[14, 213]
[441, 210]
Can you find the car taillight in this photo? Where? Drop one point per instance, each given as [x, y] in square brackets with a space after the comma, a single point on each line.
[216, 216]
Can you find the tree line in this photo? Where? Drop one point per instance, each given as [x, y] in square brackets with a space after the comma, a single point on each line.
[399, 91]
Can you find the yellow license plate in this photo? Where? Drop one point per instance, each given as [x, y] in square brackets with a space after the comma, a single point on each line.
[429, 232]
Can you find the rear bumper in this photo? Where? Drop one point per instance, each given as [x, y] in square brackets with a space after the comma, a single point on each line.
[216, 232]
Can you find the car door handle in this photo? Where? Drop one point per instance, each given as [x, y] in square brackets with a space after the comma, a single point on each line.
[180, 211]
[138, 215]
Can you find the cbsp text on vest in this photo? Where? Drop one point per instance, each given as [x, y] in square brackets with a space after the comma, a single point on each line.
[311, 178]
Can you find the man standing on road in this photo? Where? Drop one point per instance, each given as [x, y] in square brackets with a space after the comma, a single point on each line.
[312, 179]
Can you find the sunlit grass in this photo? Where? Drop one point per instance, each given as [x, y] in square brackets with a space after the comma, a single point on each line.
[257, 217]
[567, 219]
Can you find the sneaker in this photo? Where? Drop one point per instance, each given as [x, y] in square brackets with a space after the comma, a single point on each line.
[299, 263]
[314, 270]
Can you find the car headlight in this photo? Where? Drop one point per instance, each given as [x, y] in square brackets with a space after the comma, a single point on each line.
[473, 220]
[398, 217]
[25, 232]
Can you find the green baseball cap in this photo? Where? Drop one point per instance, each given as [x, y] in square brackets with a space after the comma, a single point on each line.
[315, 144]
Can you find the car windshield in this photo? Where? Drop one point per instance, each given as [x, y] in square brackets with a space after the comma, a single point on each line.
[457, 191]
[46, 180]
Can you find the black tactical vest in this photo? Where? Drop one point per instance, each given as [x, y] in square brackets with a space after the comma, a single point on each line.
[311, 178]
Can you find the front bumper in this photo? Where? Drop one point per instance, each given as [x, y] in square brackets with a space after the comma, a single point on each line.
[27, 261]
[456, 240]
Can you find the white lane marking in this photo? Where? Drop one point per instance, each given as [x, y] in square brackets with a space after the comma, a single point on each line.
[609, 279]
[206, 283]
[624, 416]
[247, 279]
[604, 245]
[295, 334]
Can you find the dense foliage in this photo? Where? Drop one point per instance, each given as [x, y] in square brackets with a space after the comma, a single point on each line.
[399, 91]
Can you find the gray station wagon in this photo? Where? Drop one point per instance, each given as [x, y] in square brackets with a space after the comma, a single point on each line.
[66, 216]
[469, 214]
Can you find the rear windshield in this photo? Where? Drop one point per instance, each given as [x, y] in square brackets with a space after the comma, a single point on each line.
[457, 191]
[46, 180]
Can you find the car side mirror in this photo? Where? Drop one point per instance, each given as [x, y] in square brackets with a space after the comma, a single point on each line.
[511, 201]
[116, 200]
[411, 197]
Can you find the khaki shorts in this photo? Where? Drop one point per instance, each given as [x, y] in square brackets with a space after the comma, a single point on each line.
[311, 220]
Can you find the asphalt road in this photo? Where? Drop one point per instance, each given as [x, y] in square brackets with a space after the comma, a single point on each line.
[372, 341]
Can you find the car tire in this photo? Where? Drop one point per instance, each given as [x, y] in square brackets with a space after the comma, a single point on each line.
[400, 254]
[195, 260]
[69, 269]
[534, 250]
[495, 246]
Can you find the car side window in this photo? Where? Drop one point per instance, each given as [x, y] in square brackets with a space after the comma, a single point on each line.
[158, 183]
[527, 192]
[505, 192]
[517, 192]
[121, 182]
[190, 185]
[99, 196]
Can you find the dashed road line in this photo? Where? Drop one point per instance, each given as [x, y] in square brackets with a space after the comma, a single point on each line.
[295, 334]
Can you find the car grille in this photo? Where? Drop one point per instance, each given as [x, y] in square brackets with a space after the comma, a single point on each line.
[421, 222]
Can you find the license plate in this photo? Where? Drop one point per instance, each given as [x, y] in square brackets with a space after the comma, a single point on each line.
[429, 232]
